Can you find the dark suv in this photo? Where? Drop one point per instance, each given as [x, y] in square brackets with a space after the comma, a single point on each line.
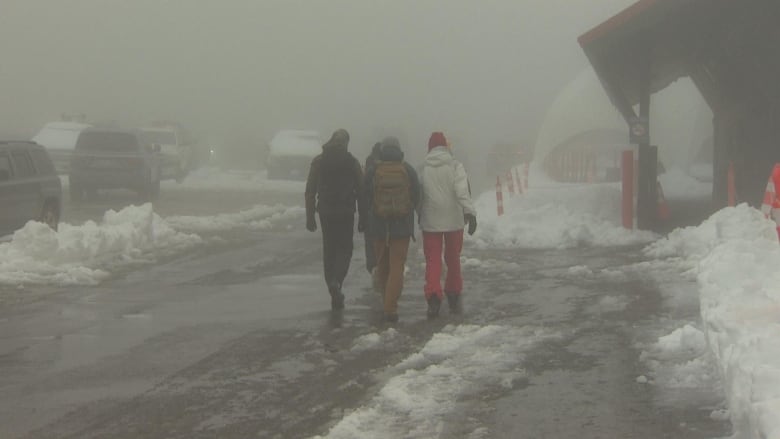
[114, 159]
[29, 187]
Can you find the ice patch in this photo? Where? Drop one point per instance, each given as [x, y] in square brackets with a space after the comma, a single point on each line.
[456, 363]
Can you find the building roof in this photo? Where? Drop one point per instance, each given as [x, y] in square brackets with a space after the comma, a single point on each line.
[708, 40]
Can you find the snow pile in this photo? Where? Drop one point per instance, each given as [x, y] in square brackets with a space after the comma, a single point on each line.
[256, 218]
[736, 256]
[373, 340]
[681, 360]
[455, 364]
[209, 178]
[82, 255]
[555, 216]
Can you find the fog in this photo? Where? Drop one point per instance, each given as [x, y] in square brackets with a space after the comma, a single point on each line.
[238, 70]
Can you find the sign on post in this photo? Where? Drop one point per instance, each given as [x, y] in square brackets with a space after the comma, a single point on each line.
[639, 130]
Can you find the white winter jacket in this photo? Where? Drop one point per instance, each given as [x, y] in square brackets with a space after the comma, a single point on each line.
[445, 193]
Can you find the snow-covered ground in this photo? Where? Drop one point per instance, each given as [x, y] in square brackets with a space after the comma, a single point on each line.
[423, 389]
[727, 266]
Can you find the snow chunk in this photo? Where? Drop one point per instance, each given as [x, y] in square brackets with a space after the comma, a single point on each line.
[373, 340]
[83, 255]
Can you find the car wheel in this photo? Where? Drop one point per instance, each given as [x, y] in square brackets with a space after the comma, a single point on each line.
[50, 215]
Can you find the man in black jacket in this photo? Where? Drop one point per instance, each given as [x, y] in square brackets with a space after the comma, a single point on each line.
[333, 189]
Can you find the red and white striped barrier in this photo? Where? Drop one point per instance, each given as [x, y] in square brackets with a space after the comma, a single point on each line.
[499, 197]
[510, 183]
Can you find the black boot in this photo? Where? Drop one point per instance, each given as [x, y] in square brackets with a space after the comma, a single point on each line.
[336, 297]
[455, 301]
[434, 303]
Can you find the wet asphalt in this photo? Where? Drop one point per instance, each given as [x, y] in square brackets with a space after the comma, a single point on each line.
[236, 340]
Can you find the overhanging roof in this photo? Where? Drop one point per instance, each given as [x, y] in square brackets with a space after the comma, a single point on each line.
[708, 40]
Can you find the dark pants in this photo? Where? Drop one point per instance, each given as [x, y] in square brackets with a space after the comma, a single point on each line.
[337, 231]
[370, 254]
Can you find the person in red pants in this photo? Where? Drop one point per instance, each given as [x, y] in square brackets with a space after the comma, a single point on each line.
[445, 208]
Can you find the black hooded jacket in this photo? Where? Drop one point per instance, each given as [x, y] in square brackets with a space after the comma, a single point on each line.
[335, 182]
[381, 228]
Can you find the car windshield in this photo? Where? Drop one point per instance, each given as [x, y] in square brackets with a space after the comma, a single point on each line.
[57, 138]
[97, 141]
[160, 137]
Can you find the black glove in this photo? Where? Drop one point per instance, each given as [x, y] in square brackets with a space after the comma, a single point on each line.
[311, 224]
[472, 220]
[361, 226]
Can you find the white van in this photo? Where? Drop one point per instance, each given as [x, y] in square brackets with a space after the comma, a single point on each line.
[176, 150]
[290, 153]
[59, 139]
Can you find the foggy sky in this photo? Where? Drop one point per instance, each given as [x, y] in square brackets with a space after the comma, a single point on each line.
[481, 70]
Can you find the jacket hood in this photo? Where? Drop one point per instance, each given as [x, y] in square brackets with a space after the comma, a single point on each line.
[391, 150]
[338, 141]
[439, 156]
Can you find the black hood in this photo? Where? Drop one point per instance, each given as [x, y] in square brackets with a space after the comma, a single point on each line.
[391, 150]
[338, 141]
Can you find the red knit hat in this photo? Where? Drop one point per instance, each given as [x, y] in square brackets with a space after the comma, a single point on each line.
[437, 139]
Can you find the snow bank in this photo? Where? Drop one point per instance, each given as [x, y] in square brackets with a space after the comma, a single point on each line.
[424, 390]
[256, 218]
[555, 216]
[83, 255]
[736, 256]
[87, 254]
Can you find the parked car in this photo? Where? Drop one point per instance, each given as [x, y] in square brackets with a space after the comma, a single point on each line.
[177, 149]
[290, 153]
[29, 187]
[59, 139]
[114, 159]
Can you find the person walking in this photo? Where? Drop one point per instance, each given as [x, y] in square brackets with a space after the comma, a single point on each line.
[446, 207]
[371, 161]
[392, 195]
[334, 189]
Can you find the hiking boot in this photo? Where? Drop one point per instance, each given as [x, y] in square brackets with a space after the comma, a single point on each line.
[455, 302]
[434, 303]
[391, 317]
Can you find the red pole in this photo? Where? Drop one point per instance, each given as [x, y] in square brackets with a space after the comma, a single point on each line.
[499, 197]
[628, 189]
[732, 188]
